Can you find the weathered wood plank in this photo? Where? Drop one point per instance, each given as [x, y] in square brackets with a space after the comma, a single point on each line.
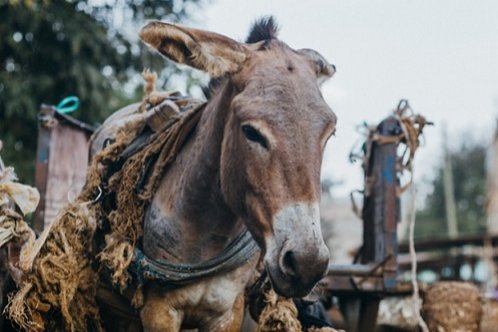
[61, 163]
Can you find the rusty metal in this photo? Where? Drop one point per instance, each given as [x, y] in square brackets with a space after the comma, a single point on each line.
[381, 210]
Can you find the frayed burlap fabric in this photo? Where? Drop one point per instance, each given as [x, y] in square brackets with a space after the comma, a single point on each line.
[280, 315]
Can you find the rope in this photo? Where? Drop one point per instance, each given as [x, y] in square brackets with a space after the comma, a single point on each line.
[412, 126]
[413, 257]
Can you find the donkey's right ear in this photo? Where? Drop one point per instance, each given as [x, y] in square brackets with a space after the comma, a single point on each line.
[207, 51]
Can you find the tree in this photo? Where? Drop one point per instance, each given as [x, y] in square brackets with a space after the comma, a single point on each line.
[469, 174]
[54, 48]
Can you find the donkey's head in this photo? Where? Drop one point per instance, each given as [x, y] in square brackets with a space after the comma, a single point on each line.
[275, 131]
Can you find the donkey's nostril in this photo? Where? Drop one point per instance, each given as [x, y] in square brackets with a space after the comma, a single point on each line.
[289, 264]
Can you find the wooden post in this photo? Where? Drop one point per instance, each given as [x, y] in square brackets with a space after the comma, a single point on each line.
[449, 191]
[492, 186]
[61, 162]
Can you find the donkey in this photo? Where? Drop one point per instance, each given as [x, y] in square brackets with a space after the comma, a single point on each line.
[253, 162]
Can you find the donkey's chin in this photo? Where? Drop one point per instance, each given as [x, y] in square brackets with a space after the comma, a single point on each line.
[288, 286]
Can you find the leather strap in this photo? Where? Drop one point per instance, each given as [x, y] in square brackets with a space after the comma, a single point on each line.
[173, 275]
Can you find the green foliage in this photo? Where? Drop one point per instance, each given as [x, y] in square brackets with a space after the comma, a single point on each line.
[469, 174]
[54, 48]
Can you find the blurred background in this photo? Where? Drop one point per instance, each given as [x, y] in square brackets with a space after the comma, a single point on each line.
[442, 56]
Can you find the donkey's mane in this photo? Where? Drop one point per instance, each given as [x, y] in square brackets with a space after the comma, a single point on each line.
[263, 29]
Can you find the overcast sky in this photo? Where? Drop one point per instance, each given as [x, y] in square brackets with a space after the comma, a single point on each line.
[441, 55]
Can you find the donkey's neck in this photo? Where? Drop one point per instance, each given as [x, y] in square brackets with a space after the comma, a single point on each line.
[188, 220]
[200, 190]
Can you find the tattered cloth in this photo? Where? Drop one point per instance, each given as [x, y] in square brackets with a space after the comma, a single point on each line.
[26, 198]
[16, 200]
[101, 229]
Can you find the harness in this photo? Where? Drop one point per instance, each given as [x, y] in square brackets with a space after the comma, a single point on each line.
[169, 275]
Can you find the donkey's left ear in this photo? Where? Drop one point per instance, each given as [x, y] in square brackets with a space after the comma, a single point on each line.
[323, 69]
[207, 51]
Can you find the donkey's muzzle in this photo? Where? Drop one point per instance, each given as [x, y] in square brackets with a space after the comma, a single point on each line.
[297, 257]
[303, 270]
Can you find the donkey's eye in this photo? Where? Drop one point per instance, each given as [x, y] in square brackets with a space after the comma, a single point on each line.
[254, 135]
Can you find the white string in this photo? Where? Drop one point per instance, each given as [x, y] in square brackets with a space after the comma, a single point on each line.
[71, 196]
[413, 256]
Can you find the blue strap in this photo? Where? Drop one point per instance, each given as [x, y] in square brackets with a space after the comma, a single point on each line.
[68, 105]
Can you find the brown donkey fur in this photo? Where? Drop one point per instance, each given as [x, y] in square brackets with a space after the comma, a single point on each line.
[252, 162]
